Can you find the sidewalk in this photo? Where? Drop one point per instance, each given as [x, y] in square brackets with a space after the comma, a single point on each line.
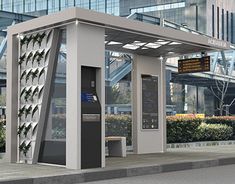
[132, 165]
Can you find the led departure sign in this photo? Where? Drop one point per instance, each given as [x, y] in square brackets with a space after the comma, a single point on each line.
[194, 65]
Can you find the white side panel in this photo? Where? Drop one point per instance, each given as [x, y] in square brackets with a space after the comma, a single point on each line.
[73, 90]
[85, 47]
[12, 98]
[91, 52]
[148, 141]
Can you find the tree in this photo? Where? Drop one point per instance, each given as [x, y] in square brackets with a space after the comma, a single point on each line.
[3, 100]
[220, 92]
[120, 98]
[221, 86]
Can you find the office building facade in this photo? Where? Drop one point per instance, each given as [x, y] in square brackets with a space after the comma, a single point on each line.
[212, 17]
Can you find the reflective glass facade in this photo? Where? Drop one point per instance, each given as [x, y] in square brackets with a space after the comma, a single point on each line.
[158, 7]
[51, 6]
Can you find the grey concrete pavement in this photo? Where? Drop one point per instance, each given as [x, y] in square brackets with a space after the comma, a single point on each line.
[132, 165]
[175, 155]
[212, 175]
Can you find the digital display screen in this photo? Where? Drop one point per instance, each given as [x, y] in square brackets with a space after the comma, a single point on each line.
[88, 97]
[149, 102]
[194, 65]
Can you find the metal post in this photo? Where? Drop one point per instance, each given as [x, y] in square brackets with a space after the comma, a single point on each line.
[12, 5]
[1, 5]
[196, 17]
[197, 102]
[23, 6]
[105, 6]
[47, 6]
[183, 98]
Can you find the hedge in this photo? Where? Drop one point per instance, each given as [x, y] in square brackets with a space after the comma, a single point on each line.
[223, 120]
[214, 132]
[180, 130]
[2, 135]
[119, 125]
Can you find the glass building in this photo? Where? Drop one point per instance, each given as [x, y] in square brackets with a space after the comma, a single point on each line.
[50, 6]
[212, 17]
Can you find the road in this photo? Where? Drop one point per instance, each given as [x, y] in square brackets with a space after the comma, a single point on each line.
[213, 175]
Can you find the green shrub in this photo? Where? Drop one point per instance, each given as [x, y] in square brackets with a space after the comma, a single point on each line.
[224, 120]
[58, 126]
[180, 130]
[214, 132]
[119, 125]
[2, 135]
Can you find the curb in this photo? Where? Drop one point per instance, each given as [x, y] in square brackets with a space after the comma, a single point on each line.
[200, 144]
[104, 174]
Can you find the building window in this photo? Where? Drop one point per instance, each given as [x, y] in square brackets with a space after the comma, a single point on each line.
[112, 7]
[105, 6]
[218, 22]
[67, 3]
[213, 20]
[29, 5]
[53, 6]
[222, 24]
[83, 4]
[41, 5]
[158, 7]
[18, 6]
[7, 5]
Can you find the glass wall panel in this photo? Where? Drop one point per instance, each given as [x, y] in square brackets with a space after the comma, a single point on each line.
[101, 6]
[7, 5]
[67, 3]
[177, 93]
[82, 3]
[53, 147]
[190, 99]
[118, 97]
[53, 6]
[41, 4]
[18, 6]
[112, 7]
[29, 5]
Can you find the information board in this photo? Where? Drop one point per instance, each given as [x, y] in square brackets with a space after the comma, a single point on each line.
[194, 65]
[149, 102]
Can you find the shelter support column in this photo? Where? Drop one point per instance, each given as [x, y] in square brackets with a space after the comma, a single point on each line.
[85, 48]
[12, 98]
[149, 123]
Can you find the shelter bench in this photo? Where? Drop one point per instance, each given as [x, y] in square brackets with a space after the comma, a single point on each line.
[116, 146]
